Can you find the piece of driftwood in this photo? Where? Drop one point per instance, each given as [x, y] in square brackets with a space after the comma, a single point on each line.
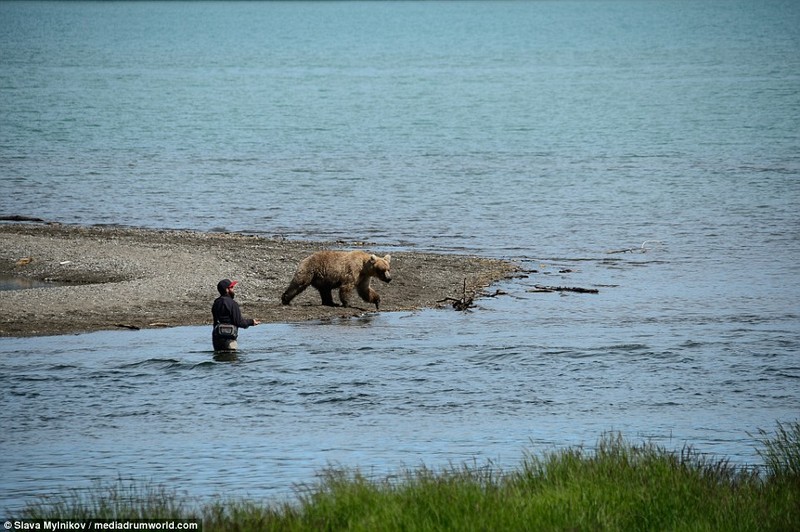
[641, 249]
[543, 289]
[126, 326]
[460, 304]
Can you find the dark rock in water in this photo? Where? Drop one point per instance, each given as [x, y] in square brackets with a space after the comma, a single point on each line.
[20, 218]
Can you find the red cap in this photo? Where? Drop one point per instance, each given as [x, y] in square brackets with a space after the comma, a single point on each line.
[225, 284]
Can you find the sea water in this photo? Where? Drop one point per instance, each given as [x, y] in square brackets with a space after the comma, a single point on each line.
[646, 149]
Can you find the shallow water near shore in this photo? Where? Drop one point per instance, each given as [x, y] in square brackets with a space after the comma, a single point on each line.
[648, 150]
[523, 372]
[10, 282]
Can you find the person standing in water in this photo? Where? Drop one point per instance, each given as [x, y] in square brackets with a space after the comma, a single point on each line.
[227, 318]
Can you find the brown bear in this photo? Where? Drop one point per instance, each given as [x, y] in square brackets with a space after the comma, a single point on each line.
[326, 270]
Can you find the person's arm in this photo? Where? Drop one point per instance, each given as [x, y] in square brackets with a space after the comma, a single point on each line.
[237, 318]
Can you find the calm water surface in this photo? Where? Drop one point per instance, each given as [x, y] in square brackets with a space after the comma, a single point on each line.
[549, 133]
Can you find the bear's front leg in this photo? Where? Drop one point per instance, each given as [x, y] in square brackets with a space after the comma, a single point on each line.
[374, 298]
[369, 295]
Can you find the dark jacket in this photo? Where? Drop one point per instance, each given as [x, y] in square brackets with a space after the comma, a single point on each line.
[226, 310]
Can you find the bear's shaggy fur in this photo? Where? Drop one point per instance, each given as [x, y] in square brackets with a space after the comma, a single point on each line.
[345, 270]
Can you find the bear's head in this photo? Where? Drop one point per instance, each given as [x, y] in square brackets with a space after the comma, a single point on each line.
[379, 267]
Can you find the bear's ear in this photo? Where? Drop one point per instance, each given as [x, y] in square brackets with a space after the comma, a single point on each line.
[387, 258]
[373, 259]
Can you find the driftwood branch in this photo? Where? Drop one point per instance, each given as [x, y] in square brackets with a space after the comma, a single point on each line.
[544, 289]
[641, 249]
[496, 293]
[460, 304]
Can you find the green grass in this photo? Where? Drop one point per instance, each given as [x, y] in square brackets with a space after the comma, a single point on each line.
[120, 500]
[617, 486]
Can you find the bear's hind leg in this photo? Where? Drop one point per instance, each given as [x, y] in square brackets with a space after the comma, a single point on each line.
[295, 287]
[327, 296]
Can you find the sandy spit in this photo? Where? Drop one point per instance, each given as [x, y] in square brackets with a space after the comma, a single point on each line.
[122, 277]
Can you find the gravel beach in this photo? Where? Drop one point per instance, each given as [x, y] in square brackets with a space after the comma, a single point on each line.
[107, 277]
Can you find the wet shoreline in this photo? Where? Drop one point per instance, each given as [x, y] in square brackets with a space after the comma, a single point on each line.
[108, 277]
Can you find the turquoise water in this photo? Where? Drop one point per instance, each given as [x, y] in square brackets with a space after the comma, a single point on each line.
[549, 133]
